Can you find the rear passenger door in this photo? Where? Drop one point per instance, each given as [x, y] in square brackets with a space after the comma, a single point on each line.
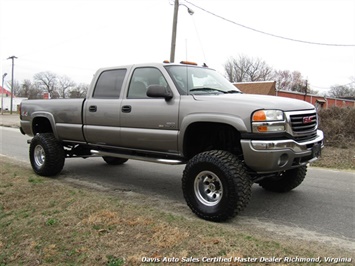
[102, 110]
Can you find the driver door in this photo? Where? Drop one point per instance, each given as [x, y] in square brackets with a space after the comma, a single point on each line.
[149, 123]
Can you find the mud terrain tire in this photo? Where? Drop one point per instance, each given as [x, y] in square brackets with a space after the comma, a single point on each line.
[286, 182]
[47, 155]
[216, 185]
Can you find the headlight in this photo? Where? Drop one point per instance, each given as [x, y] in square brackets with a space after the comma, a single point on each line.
[268, 121]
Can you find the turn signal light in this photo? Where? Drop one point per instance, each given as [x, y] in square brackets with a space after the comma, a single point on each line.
[262, 129]
[259, 116]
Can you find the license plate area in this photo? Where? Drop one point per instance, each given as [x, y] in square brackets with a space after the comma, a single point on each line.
[316, 150]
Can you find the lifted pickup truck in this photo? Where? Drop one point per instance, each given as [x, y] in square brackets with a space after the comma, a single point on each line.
[180, 114]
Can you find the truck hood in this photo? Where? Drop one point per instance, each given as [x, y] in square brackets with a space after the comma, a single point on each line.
[254, 101]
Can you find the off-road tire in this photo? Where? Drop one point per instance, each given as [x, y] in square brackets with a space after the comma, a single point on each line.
[47, 155]
[289, 180]
[216, 185]
[113, 160]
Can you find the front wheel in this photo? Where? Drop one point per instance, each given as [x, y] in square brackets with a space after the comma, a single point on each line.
[287, 181]
[47, 155]
[216, 185]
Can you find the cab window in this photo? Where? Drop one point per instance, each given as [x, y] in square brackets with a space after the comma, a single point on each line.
[141, 79]
[109, 84]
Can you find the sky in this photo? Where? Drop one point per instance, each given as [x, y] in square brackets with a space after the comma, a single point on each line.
[76, 37]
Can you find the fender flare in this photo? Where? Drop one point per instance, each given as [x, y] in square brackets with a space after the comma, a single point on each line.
[234, 121]
[48, 116]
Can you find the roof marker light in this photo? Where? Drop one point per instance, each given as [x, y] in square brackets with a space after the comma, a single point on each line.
[188, 63]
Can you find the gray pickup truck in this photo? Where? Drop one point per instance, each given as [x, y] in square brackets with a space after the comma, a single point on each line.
[180, 114]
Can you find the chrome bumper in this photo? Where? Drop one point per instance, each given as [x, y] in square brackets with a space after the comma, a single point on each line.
[264, 156]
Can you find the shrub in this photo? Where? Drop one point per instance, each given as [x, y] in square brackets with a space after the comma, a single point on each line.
[338, 125]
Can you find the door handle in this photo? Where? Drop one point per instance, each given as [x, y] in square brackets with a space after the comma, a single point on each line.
[93, 108]
[126, 109]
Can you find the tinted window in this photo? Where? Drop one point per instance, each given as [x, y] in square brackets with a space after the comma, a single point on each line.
[109, 84]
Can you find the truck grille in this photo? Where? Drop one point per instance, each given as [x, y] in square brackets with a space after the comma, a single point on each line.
[304, 125]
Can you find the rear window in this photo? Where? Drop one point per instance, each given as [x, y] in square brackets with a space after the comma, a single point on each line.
[109, 84]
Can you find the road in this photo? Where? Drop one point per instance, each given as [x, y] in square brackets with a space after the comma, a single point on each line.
[323, 207]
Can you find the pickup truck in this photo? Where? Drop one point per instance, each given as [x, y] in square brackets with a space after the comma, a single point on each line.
[180, 114]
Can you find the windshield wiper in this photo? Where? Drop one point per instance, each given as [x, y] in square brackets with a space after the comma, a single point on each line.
[213, 89]
[207, 89]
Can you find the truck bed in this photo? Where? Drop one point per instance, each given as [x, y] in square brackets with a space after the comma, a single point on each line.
[64, 115]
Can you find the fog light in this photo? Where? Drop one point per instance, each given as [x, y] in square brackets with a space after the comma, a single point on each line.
[283, 160]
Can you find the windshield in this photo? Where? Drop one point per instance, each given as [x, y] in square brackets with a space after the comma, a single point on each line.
[198, 80]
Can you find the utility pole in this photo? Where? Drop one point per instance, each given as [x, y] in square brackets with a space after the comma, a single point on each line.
[12, 82]
[173, 36]
[175, 19]
[2, 93]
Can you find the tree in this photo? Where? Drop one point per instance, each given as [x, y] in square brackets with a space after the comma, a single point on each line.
[47, 81]
[16, 87]
[79, 91]
[25, 88]
[29, 90]
[291, 81]
[247, 69]
[64, 83]
[342, 91]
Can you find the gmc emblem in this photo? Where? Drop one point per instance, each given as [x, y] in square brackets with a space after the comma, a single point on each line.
[307, 119]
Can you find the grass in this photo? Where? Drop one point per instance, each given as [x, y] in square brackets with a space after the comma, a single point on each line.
[46, 221]
[338, 158]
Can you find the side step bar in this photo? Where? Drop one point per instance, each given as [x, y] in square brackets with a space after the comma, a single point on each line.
[140, 158]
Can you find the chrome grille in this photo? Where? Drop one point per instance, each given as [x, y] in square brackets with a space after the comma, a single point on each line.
[303, 125]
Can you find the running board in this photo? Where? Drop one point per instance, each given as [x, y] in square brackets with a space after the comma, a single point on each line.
[134, 157]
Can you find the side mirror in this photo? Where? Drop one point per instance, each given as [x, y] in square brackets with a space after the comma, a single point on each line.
[158, 91]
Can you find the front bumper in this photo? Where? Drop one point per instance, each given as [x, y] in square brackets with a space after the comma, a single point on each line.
[268, 156]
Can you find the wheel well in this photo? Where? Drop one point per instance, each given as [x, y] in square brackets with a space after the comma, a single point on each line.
[205, 136]
[41, 125]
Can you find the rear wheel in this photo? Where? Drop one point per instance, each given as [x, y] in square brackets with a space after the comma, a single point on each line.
[287, 181]
[216, 185]
[113, 160]
[47, 155]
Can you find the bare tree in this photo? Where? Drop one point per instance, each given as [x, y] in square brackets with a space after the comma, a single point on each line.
[247, 69]
[29, 90]
[283, 79]
[244, 69]
[291, 81]
[48, 82]
[25, 88]
[79, 91]
[229, 68]
[64, 83]
[344, 91]
[16, 87]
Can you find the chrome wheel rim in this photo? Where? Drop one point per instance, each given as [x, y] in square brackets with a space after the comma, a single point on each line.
[39, 155]
[208, 188]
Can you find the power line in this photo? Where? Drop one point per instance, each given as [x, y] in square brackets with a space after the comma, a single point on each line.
[266, 33]
[325, 88]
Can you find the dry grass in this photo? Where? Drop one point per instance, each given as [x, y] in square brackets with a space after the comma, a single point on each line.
[47, 222]
[337, 158]
[338, 125]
